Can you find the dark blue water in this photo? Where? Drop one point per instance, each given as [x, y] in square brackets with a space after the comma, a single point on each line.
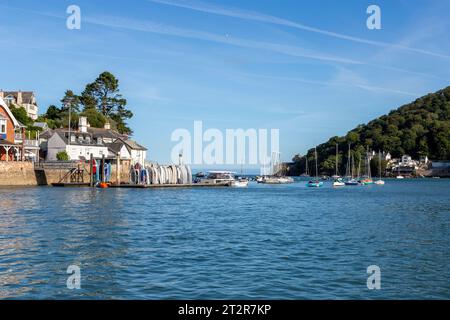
[263, 242]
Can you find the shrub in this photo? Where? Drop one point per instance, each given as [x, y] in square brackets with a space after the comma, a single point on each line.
[62, 156]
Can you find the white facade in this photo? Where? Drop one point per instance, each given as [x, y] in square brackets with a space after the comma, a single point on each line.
[56, 144]
[138, 156]
[77, 151]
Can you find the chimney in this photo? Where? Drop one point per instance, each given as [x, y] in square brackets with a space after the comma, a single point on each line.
[82, 124]
[107, 125]
[19, 97]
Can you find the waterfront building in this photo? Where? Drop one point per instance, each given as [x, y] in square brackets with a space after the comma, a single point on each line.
[12, 135]
[128, 150]
[23, 99]
[81, 143]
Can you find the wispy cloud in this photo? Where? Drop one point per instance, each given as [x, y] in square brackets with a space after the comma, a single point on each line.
[157, 28]
[343, 79]
[256, 16]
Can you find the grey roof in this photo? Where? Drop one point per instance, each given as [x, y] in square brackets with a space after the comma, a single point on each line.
[64, 135]
[134, 145]
[27, 96]
[104, 133]
[116, 146]
[41, 124]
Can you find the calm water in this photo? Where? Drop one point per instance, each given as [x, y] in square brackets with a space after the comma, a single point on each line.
[275, 242]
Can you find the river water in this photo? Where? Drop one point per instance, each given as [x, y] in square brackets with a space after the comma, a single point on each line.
[262, 242]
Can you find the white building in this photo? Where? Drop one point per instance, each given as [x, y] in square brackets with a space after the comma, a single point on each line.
[24, 99]
[128, 150]
[86, 141]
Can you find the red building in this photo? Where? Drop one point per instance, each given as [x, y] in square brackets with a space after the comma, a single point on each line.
[10, 131]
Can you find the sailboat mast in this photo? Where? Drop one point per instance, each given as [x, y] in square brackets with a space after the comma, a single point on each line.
[337, 159]
[306, 170]
[379, 162]
[317, 169]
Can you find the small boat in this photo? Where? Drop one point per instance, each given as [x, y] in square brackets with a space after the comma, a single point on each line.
[338, 183]
[337, 180]
[367, 179]
[400, 177]
[379, 182]
[352, 182]
[315, 183]
[277, 180]
[240, 183]
[277, 174]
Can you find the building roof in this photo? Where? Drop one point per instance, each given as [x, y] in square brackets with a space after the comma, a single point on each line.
[27, 96]
[129, 144]
[134, 145]
[116, 146]
[64, 135]
[8, 111]
[41, 124]
[104, 133]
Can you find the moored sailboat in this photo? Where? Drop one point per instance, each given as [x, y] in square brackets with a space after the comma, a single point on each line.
[315, 183]
[367, 179]
[338, 182]
[351, 181]
[379, 182]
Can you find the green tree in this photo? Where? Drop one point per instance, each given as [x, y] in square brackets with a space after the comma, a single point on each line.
[103, 95]
[21, 115]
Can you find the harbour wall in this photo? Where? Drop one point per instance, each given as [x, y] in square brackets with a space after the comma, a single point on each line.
[18, 173]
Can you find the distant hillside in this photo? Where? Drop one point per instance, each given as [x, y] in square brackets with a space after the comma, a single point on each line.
[419, 128]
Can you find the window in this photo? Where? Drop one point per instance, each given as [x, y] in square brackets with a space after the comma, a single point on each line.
[2, 126]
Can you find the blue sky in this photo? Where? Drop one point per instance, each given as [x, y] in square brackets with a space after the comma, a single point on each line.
[310, 68]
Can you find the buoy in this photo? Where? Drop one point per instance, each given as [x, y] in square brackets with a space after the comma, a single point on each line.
[103, 185]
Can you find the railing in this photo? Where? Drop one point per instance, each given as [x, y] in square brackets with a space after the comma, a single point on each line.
[31, 143]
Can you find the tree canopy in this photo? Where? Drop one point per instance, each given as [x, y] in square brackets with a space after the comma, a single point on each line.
[420, 128]
[100, 102]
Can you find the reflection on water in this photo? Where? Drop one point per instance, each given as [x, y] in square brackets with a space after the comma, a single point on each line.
[270, 242]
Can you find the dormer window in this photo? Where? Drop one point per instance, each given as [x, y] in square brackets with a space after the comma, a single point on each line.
[99, 140]
[88, 140]
[72, 138]
[80, 139]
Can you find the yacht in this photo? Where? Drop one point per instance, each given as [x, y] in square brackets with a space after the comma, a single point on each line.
[315, 183]
[219, 177]
[337, 180]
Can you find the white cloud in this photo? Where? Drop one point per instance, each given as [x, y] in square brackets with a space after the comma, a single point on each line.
[256, 16]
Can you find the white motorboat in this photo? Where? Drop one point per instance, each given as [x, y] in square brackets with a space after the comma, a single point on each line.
[240, 183]
[277, 180]
[219, 177]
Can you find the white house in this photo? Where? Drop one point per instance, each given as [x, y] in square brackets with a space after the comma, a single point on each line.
[128, 150]
[86, 141]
